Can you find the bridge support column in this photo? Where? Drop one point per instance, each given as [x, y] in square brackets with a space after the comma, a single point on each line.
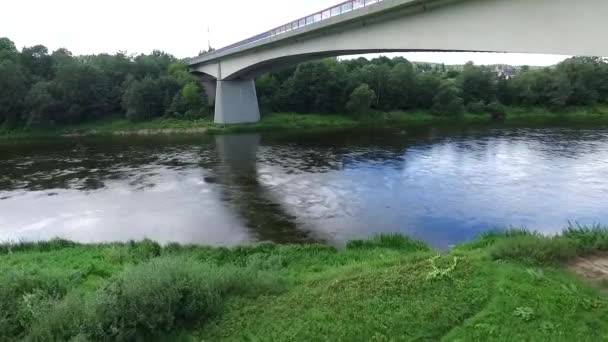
[236, 102]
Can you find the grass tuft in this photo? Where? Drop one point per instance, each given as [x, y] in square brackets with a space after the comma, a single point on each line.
[390, 241]
[40, 246]
[534, 249]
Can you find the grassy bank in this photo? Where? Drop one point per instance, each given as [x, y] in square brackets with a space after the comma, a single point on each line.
[504, 286]
[117, 125]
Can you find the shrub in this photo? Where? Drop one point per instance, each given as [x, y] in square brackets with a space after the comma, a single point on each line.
[534, 248]
[152, 299]
[361, 99]
[588, 240]
[496, 107]
[476, 107]
[448, 100]
[42, 246]
[391, 241]
[23, 297]
[61, 321]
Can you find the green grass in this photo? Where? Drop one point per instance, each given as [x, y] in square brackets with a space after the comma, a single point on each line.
[117, 124]
[503, 286]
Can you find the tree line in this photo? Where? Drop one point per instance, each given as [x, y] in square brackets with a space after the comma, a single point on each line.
[38, 88]
[41, 88]
[385, 84]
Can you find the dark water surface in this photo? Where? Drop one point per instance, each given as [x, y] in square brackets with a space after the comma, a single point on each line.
[441, 185]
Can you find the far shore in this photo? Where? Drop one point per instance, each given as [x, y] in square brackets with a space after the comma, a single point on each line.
[117, 125]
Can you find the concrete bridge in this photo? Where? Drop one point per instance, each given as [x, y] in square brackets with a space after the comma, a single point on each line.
[569, 27]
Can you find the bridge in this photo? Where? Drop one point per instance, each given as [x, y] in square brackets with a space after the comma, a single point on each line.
[569, 27]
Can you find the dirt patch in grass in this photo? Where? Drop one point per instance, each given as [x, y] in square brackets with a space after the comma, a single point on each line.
[594, 268]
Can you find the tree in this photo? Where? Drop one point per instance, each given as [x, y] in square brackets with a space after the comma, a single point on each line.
[41, 106]
[308, 89]
[361, 99]
[37, 62]
[400, 85]
[190, 102]
[12, 92]
[62, 57]
[143, 100]
[8, 51]
[376, 75]
[268, 87]
[82, 92]
[448, 100]
[426, 86]
[478, 83]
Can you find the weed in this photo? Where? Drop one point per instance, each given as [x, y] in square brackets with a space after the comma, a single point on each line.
[525, 313]
[440, 273]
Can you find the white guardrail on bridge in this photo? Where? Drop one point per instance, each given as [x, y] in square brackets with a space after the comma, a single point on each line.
[331, 12]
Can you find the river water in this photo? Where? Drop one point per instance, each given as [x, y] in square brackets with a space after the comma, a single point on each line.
[437, 184]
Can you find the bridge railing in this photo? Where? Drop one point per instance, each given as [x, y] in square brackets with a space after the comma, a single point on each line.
[336, 10]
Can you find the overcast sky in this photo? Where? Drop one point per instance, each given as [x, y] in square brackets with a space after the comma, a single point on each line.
[178, 26]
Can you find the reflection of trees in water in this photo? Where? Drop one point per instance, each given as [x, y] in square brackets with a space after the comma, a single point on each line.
[236, 174]
[89, 165]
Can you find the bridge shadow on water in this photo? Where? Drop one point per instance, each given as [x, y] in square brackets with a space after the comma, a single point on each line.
[236, 176]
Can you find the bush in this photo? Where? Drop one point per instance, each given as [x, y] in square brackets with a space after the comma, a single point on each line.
[361, 99]
[496, 107]
[448, 100]
[534, 248]
[588, 240]
[23, 299]
[392, 241]
[61, 321]
[41, 246]
[478, 107]
[152, 299]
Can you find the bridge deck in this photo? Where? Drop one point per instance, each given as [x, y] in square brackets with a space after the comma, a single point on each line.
[342, 12]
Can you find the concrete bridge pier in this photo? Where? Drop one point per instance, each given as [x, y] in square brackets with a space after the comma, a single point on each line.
[236, 102]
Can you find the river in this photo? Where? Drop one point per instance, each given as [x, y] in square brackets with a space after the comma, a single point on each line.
[442, 185]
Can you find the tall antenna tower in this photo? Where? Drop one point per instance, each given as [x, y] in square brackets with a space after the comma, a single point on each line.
[208, 39]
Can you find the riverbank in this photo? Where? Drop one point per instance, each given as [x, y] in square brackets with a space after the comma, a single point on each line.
[117, 125]
[501, 286]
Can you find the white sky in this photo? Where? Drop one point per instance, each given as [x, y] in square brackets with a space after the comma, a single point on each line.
[179, 27]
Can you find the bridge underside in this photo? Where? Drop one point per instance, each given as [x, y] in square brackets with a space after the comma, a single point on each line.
[524, 26]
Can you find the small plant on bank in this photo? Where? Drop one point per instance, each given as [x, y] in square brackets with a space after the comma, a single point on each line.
[440, 273]
[525, 313]
[392, 241]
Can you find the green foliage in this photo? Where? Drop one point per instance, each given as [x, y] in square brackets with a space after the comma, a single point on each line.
[39, 246]
[448, 101]
[525, 313]
[38, 88]
[37, 62]
[588, 239]
[392, 241]
[440, 273]
[157, 297]
[478, 83]
[361, 99]
[496, 107]
[534, 248]
[477, 107]
[388, 288]
[190, 102]
[23, 299]
[401, 84]
[143, 100]
[12, 91]
[8, 51]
